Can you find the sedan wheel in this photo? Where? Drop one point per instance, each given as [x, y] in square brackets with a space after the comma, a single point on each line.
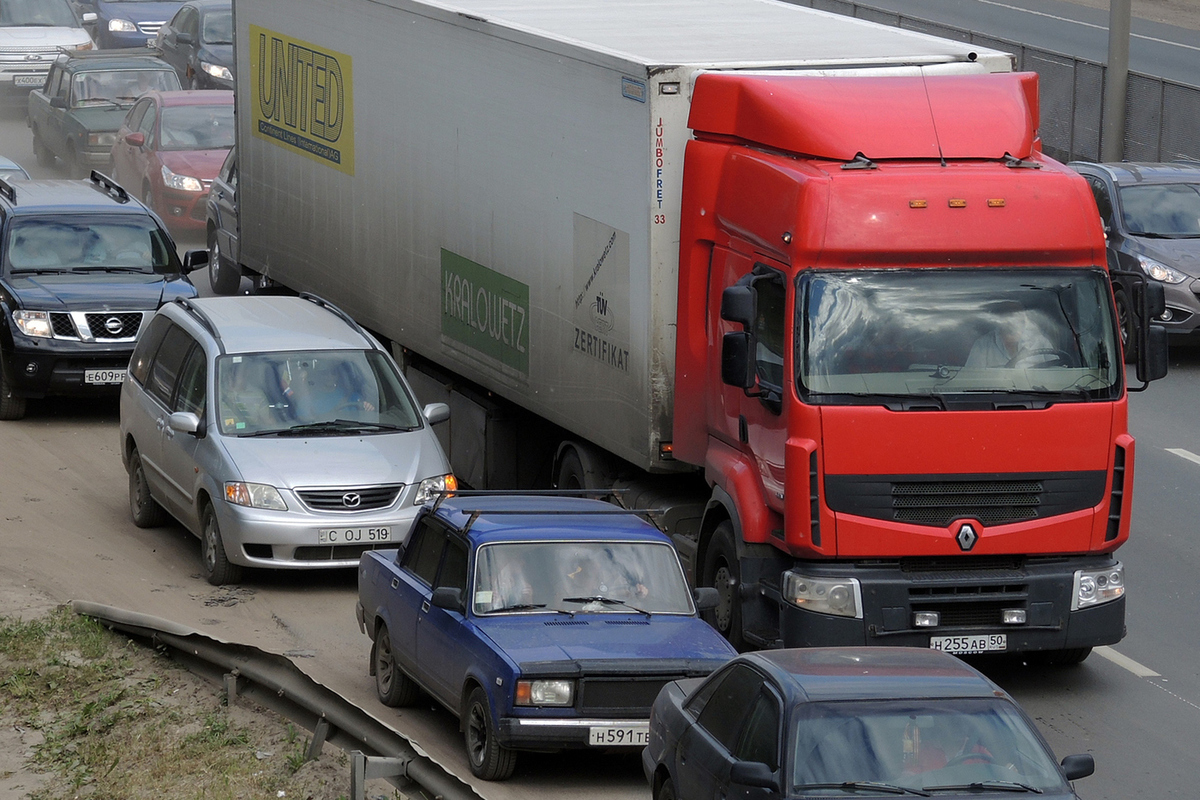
[391, 685]
[487, 758]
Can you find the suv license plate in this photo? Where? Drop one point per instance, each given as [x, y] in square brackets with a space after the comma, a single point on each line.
[354, 535]
[965, 645]
[102, 377]
[28, 80]
[615, 736]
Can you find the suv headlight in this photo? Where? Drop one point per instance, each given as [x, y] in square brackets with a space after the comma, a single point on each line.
[432, 487]
[1095, 587]
[184, 183]
[841, 597]
[34, 323]
[217, 71]
[121, 26]
[556, 692]
[254, 495]
[1160, 271]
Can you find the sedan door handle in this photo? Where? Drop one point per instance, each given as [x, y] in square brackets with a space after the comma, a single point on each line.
[425, 607]
[395, 583]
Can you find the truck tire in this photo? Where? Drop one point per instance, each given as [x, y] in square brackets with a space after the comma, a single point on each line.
[11, 406]
[393, 687]
[488, 759]
[223, 277]
[217, 569]
[722, 572]
[144, 509]
[43, 154]
[584, 470]
[1127, 326]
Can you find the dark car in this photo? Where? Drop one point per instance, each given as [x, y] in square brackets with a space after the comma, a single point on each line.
[1151, 215]
[848, 722]
[127, 23]
[198, 43]
[169, 149]
[82, 266]
[542, 623]
[221, 223]
[76, 113]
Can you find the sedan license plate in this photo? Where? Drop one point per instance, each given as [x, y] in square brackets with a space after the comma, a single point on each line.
[102, 377]
[28, 80]
[354, 535]
[965, 645]
[618, 735]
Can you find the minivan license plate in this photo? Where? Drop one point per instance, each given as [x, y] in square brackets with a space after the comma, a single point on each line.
[101, 377]
[965, 645]
[616, 736]
[354, 535]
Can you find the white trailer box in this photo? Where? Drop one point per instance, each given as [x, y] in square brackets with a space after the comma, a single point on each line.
[495, 184]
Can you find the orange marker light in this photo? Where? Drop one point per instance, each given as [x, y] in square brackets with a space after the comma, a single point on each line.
[918, 203]
[996, 202]
[957, 203]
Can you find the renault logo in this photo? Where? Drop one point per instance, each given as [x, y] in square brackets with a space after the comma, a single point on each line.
[113, 325]
[351, 499]
[967, 537]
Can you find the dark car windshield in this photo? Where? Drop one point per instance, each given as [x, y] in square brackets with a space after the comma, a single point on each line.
[1168, 209]
[580, 577]
[84, 242]
[197, 127]
[217, 27]
[37, 13]
[122, 86]
[918, 744]
[953, 338]
[322, 392]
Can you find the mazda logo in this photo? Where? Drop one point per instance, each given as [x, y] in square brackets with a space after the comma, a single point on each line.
[351, 499]
[967, 537]
[113, 325]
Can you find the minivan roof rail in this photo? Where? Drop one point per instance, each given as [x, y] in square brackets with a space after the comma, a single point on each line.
[328, 306]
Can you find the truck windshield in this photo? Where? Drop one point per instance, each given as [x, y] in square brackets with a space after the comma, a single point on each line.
[956, 338]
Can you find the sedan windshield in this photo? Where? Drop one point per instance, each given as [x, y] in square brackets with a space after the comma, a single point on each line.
[217, 28]
[580, 577]
[312, 392]
[37, 13]
[956, 339]
[197, 127]
[119, 86]
[923, 745]
[80, 243]
[1170, 210]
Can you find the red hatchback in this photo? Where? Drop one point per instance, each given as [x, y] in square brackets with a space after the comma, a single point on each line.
[169, 149]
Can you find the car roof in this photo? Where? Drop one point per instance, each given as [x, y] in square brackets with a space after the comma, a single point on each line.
[871, 673]
[1128, 173]
[192, 97]
[35, 197]
[209, 5]
[490, 518]
[90, 60]
[260, 324]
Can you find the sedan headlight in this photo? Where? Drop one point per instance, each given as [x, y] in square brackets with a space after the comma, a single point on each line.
[1160, 271]
[121, 26]
[102, 139]
[217, 71]
[841, 597]
[254, 495]
[432, 487]
[33, 323]
[183, 183]
[1094, 587]
[557, 692]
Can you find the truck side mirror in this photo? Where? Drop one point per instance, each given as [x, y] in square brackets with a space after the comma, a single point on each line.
[1080, 766]
[738, 304]
[1152, 357]
[736, 367]
[1151, 298]
[447, 597]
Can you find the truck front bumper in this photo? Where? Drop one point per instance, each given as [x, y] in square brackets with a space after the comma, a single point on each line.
[970, 602]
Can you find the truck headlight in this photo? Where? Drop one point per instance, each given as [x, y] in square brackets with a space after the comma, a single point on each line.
[1094, 587]
[841, 597]
[121, 26]
[34, 323]
[183, 183]
[254, 495]
[432, 487]
[1160, 271]
[102, 139]
[217, 71]
[545, 693]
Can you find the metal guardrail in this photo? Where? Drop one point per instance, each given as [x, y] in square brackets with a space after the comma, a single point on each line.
[274, 682]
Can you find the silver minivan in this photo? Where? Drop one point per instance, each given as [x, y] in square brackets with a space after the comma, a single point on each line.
[278, 431]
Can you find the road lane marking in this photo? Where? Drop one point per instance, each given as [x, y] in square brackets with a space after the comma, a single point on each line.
[1084, 24]
[1126, 662]
[1184, 454]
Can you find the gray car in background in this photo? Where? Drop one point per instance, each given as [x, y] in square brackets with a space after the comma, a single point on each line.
[278, 431]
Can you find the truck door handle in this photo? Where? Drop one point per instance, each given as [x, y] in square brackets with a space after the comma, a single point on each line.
[395, 583]
[425, 607]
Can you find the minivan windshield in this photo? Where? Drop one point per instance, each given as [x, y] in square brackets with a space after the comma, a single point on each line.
[317, 392]
[36, 13]
[956, 338]
[87, 242]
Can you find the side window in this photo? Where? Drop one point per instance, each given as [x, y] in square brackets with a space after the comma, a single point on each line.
[769, 329]
[165, 369]
[454, 567]
[1103, 201]
[64, 85]
[233, 174]
[135, 115]
[191, 393]
[53, 81]
[147, 346]
[760, 738]
[424, 551]
[726, 709]
[147, 126]
[191, 22]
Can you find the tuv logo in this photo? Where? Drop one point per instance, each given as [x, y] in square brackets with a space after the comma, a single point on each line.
[601, 317]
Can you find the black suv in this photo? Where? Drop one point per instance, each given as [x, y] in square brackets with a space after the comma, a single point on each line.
[82, 266]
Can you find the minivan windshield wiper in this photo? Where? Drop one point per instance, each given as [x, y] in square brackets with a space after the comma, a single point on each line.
[864, 786]
[340, 426]
[985, 786]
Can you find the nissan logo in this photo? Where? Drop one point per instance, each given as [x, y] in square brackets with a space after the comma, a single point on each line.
[351, 499]
[113, 325]
[966, 537]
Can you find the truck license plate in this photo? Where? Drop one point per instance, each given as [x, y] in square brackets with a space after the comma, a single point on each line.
[965, 645]
[103, 377]
[28, 80]
[616, 736]
[354, 535]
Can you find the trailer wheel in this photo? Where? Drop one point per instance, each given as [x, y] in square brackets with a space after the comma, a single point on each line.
[722, 572]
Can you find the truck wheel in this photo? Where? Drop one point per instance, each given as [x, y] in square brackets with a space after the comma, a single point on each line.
[11, 406]
[144, 509]
[1127, 323]
[224, 278]
[489, 760]
[721, 571]
[587, 471]
[393, 687]
[43, 154]
[217, 569]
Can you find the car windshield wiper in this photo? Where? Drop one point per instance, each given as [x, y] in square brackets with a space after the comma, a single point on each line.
[985, 786]
[865, 786]
[608, 601]
[921, 399]
[140, 270]
[1153, 235]
[339, 426]
[38, 271]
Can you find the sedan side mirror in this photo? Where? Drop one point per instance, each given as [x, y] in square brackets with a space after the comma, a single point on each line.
[447, 597]
[58, 102]
[707, 598]
[137, 139]
[90, 17]
[194, 260]
[436, 412]
[1080, 766]
[184, 38]
[753, 773]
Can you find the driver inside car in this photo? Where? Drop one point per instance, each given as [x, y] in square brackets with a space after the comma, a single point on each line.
[324, 391]
[1015, 338]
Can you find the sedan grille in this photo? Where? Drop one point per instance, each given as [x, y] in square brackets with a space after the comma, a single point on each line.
[358, 498]
[150, 28]
[624, 696]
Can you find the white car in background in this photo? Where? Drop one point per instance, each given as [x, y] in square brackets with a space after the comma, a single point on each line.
[32, 34]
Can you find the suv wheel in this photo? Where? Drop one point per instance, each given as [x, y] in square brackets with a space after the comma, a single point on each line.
[11, 406]
[217, 569]
[144, 509]
[223, 277]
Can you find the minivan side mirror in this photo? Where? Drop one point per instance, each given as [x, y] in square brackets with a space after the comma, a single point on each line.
[136, 139]
[447, 597]
[184, 422]
[1079, 766]
[436, 412]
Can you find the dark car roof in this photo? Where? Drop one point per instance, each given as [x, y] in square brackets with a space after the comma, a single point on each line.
[69, 196]
[1128, 173]
[210, 5]
[192, 97]
[93, 60]
[871, 673]
[540, 517]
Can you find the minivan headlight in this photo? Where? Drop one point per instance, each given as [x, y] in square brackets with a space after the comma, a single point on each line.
[841, 597]
[1094, 587]
[33, 323]
[432, 487]
[254, 495]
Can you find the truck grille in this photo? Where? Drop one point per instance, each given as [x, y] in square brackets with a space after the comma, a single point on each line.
[351, 498]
